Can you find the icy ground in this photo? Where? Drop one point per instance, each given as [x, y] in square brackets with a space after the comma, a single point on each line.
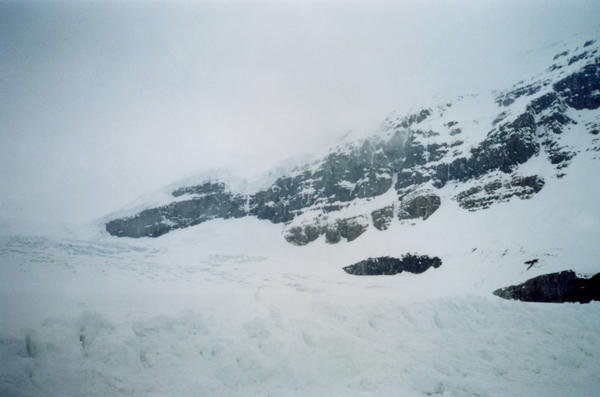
[139, 319]
[229, 308]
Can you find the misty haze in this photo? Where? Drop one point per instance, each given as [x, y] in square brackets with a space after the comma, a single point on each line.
[320, 198]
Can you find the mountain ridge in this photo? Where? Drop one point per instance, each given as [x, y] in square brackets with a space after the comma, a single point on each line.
[479, 144]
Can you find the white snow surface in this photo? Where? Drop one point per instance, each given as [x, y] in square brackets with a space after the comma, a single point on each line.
[229, 308]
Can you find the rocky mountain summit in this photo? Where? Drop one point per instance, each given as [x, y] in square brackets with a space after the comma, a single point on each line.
[476, 151]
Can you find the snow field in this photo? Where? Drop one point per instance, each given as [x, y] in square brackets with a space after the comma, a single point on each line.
[229, 308]
[279, 341]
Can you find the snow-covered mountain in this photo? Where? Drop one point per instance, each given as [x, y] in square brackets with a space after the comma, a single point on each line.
[243, 291]
[476, 151]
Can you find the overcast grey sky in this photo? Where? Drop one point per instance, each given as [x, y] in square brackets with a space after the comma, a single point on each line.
[101, 102]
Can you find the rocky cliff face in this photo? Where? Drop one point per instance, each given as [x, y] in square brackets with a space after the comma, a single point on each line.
[413, 164]
[210, 201]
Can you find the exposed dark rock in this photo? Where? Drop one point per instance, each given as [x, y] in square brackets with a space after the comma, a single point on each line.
[418, 206]
[278, 202]
[414, 154]
[375, 183]
[561, 157]
[414, 118]
[351, 228]
[499, 118]
[312, 232]
[436, 151]
[426, 134]
[465, 199]
[365, 171]
[558, 155]
[492, 186]
[503, 149]
[302, 235]
[577, 57]
[332, 234]
[554, 67]
[533, 182]
[509, 98]
[589, 43]
[329, 208]
[408, 178]
[361, 172]
[564, 286]
[524, 121]
[562, 54]
[581, 90]
[155, 222]
[342, 177]
[387, 265]
[205, 188]
[555, 122]
[542, 103]
[148, 223]
[383, 217]
[481, 197]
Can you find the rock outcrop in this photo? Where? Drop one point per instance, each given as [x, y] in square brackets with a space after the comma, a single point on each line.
[382, 218]
[481, 197]
[559, 287]
[418, 205]
[349, 229]
[210, 201]
[387, 265]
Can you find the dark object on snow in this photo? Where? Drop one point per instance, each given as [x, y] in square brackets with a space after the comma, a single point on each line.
[559, 287]
[531, 263]
[388, 265]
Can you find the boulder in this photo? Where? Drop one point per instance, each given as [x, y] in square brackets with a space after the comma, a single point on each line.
[302, 235]
[558, 287]
[387, 265]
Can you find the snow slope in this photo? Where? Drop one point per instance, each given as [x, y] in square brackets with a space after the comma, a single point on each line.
[229, 308]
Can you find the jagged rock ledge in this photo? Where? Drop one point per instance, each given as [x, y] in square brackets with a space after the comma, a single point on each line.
[387, 265]
[558, 287]
[497, 191]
